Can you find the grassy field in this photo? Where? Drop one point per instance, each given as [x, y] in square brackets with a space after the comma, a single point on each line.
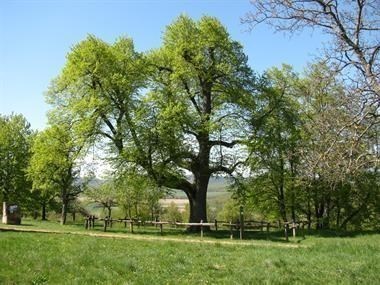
[147, 258]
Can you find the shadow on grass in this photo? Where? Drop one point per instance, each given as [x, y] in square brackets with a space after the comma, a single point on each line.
[331, 233]
[275, 236]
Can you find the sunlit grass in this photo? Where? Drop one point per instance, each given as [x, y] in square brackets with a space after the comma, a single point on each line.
[42, 258]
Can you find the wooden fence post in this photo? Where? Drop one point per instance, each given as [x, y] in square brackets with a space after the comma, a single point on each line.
[131, 226]
[294, 228]
[216, 225]
[241, 222]
[303, 230]
[160, 228]
[286, 231]
[201, 228]
[231, 232]
[105, 224]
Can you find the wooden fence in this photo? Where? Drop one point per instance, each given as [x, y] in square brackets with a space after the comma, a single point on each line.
[232, 226]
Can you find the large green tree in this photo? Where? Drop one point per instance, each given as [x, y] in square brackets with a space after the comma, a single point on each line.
[200, 84]
[174, 114]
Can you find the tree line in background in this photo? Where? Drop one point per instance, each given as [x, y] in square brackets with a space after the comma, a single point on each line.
[294, 146]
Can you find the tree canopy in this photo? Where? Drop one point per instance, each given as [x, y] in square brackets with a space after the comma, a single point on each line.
[171, 112]
[15, 140]
[296, 145]
[53, 167]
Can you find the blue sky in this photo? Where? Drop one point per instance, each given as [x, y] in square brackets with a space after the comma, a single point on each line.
[36, 35]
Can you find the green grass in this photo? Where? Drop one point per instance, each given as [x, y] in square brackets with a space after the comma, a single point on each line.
[45, 258]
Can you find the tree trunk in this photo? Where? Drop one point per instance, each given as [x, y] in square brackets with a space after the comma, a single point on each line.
[337, 214]
[292, 189]
[198, 202]
[64, 211]
[309, 210]
[43, 211]
[198, 208]
[326, 220]
[293, 209]
[109, 211]
[281, 203]
[201, 171]
[345, 222]
[280, 190]
[319, 210]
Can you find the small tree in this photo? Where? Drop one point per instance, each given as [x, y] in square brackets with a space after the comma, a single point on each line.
[104, 194]
[172, 213]
[15, 141]
[138, 195]
[53, 168]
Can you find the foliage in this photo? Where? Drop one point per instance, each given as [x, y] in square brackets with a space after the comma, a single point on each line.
[313, 162]
[298, 146]
[15, 141]
[138, 196]
[186, 119]
[104, 194]
[53, 168]
[276, 138]
[172, 213]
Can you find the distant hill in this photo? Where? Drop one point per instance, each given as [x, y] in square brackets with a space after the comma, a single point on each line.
[217, 187]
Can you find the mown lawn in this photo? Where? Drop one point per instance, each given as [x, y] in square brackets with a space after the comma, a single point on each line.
[45, 258]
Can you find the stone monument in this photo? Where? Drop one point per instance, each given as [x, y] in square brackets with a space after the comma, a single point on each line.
[11, 214]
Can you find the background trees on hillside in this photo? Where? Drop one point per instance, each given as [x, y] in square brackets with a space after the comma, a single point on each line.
[311, 159]
[135, 196]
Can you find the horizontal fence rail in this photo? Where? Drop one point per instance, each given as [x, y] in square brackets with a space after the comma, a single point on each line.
[232, 226]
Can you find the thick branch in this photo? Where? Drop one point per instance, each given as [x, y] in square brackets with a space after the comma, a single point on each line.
[225, 169]
[224, 143]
